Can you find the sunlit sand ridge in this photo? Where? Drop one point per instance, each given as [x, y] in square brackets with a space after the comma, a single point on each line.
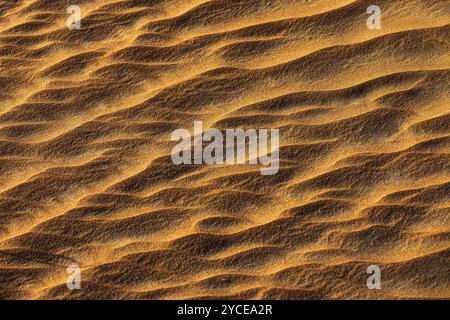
[87, 178]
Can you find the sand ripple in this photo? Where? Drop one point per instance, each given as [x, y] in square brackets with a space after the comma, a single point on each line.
[86, 175]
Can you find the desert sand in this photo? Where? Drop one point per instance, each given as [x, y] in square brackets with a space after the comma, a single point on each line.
[86, 176]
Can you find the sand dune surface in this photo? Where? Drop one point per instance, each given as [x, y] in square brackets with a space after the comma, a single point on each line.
[86, 176]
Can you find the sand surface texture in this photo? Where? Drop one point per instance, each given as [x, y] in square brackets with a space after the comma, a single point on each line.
[86, 176]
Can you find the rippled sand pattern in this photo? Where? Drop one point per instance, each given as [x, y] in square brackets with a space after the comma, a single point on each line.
[85, 170]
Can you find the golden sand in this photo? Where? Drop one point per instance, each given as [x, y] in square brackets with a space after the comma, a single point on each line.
[86, 175]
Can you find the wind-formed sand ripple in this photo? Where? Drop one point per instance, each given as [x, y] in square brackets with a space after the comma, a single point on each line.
[86, 175]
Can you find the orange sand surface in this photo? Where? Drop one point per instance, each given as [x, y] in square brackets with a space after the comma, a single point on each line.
[86, 176]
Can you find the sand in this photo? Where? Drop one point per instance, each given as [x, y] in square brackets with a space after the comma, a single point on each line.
[86, 176]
